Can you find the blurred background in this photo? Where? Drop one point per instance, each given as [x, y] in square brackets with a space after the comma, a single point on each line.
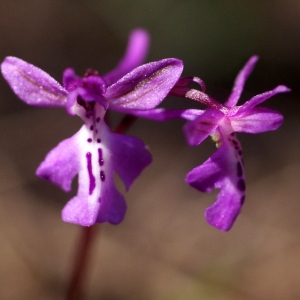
[164, 250]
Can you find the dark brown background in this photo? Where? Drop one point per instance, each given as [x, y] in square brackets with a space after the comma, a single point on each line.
[164, 249]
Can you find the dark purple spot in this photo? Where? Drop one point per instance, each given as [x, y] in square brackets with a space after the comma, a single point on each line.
[96, 131]
[100, 157]
[98, 120]
[98, 141]
[234, 142]
[89, 140]
[92, 127]
[91, 176]
[240, 152]
[102, 175]
[241, 185]
[242, 199]
[232, 133]
[236, 148]
[239, 170]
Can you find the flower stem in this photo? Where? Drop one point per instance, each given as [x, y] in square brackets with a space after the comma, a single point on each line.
[87, 236]
[80, 264]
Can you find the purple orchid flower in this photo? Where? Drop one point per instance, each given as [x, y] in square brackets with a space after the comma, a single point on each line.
[94, 152]
[224, 170]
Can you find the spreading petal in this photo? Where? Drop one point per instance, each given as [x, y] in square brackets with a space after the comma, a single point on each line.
[61, 164]
[162, 114]
[31, 84]
[135, 55]
[146, 86]
[199, 129]
[240, 82]
[257, 120]
[129, 157]
[256, 100]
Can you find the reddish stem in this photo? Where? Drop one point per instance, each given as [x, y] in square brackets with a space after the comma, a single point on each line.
[80, 264]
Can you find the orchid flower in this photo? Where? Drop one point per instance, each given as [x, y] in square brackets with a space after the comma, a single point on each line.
[224, 170]
[95, 153]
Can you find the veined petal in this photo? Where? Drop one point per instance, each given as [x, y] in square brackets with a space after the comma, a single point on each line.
[199, 129]
[61, 164]
[146, 86]
[254, 101]
[31, 84]
[223, 170]
[129, 157]
[257, 120]
[240, 82]
[135, 55]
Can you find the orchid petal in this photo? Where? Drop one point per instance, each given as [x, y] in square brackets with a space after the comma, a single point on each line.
[61, 164]
[146, 86]
[256, 100]
[129, 157]
[257, 120]
[199, 129]
[86, 209]
[31, 84]
[240, 82]
[135, 55]
[162, 114]
[223, 170]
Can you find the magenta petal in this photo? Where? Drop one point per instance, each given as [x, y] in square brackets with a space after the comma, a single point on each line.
[146, 86]
[130, 157]
[86, 210]
[113, 205]
[204, 177]
[61, 164]
[225, 210]
[240, 82]
[198, 130]
[31, 84]
[257, 120]
[256, 100]
[223, 170]
[162, 114]
[135, 55]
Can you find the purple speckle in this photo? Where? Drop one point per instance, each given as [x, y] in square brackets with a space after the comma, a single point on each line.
[92, 127]
[98, 120]
[100, 157]
[91, 176]
[89, 140]
[239, 170]
[98, 141]
[241, 185]
[102, 175]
